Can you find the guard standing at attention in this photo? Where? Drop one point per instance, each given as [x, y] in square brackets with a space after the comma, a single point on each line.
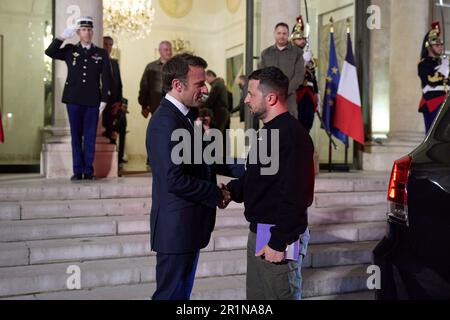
[86, 91]
[434, 73]
[308, 93]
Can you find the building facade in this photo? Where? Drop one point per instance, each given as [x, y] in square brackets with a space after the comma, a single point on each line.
[387, 37]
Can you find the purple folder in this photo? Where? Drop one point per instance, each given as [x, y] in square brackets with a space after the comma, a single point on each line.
[263, 237]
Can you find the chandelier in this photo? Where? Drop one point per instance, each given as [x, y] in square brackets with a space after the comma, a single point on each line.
[130, 18]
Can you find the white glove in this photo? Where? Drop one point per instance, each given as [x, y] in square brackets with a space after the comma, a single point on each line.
[307, 56]
[68, 33]
[102, 107]
[444, 68]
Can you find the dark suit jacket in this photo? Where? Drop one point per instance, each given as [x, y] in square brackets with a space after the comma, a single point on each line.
[89, 74]
[184, 197]
[116, 86]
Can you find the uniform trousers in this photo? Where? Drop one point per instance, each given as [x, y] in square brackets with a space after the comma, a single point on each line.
[83, 127]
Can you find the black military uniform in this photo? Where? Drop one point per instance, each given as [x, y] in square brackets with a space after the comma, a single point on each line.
[306, 93]
[86, 68]
[434, 84]
[307, 98]
[87, 86]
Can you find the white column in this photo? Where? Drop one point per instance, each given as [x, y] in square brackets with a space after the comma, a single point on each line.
[273, 12]
[406, 129]
[407, 33]
[56, 157]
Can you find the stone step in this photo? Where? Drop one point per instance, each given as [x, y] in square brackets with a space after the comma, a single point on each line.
[345, 182]
[356, 296]
[53, 277]
[232, 239]
[124, 204]
[131, 187]
[9, 211]
[321, 283]
[349, 199]
[115, 247]
[13, 231]
[41, 189]
[84, 208]
[340, 215]
[29, 230]
[35, 210]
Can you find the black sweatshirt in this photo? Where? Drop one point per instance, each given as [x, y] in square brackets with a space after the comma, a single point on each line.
[281, 199]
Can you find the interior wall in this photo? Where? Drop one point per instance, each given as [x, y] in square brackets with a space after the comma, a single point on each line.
[22, 24]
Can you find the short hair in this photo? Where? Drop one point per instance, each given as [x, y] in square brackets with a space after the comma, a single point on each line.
[282, 24]
[272, 79]
[165, 42]
[178, 68]
[211, 73]
[243, 77]
[108, 38]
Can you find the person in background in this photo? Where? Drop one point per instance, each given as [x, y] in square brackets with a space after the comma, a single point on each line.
[116, 91]
[151, 87]
[242, 83]
[289, 59]
[217, 100]
[120, 126]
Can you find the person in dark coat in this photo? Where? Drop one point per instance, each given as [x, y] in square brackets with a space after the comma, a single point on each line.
[116, 91]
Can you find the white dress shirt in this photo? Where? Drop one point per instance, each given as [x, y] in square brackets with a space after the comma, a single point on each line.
[183, 109]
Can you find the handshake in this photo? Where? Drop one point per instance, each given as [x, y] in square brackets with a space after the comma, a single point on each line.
[225, 199]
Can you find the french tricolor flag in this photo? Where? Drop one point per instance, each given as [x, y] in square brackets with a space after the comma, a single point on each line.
[348, 113]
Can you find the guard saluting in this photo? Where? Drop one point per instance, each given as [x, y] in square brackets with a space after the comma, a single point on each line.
[86, 91]
[434, 73]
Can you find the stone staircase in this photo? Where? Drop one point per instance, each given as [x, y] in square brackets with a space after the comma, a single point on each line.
[46, 226]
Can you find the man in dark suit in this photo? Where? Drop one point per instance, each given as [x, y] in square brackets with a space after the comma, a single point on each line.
[185, 195]
[116, 92]
[88, 89]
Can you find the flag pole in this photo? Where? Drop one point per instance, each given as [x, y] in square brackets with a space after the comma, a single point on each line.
[330, 149]
[347, 145]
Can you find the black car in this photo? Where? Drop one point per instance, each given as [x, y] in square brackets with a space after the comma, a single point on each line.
[414, 256]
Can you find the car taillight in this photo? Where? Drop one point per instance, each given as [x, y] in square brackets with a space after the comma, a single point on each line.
[398, 192]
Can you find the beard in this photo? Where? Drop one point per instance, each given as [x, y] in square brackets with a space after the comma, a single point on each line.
[259, 113]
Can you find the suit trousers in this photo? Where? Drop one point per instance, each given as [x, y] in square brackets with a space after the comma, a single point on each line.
[175, 274]
[83, 127]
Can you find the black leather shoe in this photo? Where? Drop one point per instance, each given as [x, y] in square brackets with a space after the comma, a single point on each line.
[76, 177]
[89, 177]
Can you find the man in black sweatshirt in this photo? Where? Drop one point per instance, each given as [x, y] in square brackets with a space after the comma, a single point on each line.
[280, 198]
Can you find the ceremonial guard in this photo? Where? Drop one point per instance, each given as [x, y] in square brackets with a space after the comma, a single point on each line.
[86, 92]
[308, 93]
[434, 74]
